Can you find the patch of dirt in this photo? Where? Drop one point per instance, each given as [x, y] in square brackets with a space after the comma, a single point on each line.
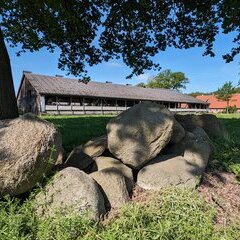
[140, 195]
[222, 190]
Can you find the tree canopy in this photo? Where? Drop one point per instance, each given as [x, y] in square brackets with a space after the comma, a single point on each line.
[167, 79]
[89, 32]
[225, 92]
[198, 93]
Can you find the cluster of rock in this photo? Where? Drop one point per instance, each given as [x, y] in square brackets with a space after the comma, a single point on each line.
[145, 145]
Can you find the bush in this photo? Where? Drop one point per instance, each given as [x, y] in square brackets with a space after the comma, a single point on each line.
[230, 109]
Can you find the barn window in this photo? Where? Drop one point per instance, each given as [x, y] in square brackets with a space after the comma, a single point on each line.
[50, 100]
[121, 103]
[172, 105]
[92, 102]
[130, 103]
[109, 102]
[64, 101]
[77, 102]
[165, 104]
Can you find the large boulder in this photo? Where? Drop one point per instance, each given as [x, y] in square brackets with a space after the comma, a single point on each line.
[166, 171]
[109, 162]
[138, 134]
[113, 186]
[71, 190]
[79, 159]
[29, 148]
[95, 147]
[209, 122]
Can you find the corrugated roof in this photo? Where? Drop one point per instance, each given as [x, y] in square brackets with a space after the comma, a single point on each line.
[217, 103]
[66, 86]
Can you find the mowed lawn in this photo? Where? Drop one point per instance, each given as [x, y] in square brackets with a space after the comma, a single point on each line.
[232, 123]
[79, 129]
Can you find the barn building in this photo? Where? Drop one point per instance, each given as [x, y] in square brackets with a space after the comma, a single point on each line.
[57, 95]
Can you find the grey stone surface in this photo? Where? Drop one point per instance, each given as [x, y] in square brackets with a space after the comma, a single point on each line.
[77, 158]
[209, 122]
[71, 190]
[109, 162]
[113, 185]
[95, 147]
[166, 171]
[138, 134]
[198, 150]
[178, 132]
[29, 148]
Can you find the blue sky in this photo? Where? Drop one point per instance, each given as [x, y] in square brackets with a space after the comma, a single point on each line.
[205, 73]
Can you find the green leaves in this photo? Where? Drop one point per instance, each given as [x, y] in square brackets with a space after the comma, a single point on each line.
[89, 32]
[167, 79]
[225, 93]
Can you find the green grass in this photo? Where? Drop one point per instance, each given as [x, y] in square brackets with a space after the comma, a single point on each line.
[227, 153]
[232, 123]
[76, 130]
[173, 214]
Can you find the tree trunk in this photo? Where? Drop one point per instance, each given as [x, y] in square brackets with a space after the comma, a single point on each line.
[227, 106]
[8, 102]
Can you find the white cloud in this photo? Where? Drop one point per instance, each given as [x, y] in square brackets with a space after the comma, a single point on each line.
[113, 64]
[142, 77]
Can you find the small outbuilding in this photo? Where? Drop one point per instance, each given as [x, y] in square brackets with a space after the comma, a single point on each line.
[41, 94]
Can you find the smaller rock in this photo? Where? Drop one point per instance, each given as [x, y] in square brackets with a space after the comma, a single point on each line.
[77, 158]
[109, 162]
[113, 185]
[166, 171]
[61, 157]
[179, 148]
[71, 189]
[178, 132]
[197, 152]
[197, 137]
[95, 147]
[209, 122]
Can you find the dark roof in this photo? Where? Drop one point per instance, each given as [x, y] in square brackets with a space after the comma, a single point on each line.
[47, 85]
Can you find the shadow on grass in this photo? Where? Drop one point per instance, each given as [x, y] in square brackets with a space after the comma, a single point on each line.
[233, 126]
[77, 130]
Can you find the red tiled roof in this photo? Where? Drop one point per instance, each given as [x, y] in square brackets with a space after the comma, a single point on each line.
[219, 104]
